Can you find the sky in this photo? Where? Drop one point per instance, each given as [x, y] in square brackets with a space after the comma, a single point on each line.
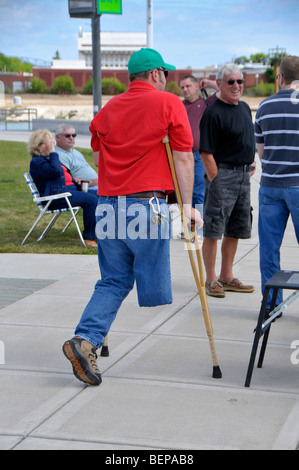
[195, 33]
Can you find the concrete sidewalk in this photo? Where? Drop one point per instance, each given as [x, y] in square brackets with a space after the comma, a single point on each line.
[157, 392]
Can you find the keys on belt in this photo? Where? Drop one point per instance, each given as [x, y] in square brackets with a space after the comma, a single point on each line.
[157, 217]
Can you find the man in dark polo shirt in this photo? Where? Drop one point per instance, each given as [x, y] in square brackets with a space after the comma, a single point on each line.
[227, 148]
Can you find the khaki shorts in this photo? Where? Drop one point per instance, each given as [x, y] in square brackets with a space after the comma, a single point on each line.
[227, 208]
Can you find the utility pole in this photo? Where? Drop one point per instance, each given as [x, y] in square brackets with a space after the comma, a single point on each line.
[93, 9]
[88, 9]
[96, 60]
[149, 22]
[276, 54]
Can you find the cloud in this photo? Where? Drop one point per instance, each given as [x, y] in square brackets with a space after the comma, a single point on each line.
[187, 32]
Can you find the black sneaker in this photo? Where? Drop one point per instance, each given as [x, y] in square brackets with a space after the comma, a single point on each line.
[83, 357]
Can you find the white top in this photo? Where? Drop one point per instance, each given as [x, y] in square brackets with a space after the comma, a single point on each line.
[76, 163]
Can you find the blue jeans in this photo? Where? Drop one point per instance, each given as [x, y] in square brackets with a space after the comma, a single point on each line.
[199, 187]
[275, 207]
[88, 201]
[130, 248]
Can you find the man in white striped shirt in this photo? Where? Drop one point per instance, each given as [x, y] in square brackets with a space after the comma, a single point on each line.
[277, 137]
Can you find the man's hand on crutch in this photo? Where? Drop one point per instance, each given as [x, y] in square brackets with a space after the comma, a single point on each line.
[183, 169]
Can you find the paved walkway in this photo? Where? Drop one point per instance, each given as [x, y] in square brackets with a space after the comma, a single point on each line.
[157, 392]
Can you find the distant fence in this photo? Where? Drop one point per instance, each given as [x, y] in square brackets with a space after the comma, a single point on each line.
[81, 127]
[18, 115]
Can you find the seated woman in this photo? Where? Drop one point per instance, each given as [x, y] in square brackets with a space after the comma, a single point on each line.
[49, 177]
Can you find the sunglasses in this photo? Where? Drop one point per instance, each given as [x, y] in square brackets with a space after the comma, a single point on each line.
[165, 71]
[232, 82]
[69, 135]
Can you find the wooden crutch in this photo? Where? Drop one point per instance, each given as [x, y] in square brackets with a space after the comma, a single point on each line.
[198, 273]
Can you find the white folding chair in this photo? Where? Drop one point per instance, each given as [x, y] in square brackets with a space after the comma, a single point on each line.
[43, 208]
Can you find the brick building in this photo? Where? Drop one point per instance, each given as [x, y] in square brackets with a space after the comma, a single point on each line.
[15, 81]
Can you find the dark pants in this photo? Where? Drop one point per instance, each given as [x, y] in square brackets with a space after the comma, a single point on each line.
[227, 209]
[88, 202]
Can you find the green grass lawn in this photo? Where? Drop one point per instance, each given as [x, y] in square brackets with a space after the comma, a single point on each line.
[18, 212]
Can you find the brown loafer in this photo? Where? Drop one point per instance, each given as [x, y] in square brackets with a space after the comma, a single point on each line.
[236, 286]
[91, 243]
[215, 289]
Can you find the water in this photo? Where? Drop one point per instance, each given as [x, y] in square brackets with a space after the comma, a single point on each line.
[15, 126]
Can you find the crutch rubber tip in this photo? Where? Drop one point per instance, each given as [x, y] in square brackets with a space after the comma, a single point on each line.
[217, 374]
[105, 351]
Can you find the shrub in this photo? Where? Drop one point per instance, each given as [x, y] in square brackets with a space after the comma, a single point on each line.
[112, 86]
[88, 87]
[263, 89]
[174, 88]
[63, 85]
[37, 86]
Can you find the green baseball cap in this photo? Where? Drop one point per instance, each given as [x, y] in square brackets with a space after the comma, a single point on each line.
[147, 59]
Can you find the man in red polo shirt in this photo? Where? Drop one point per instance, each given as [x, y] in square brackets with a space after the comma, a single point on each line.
[133, 223]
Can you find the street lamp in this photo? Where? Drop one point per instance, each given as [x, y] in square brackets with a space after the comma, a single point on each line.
[93, 9]
[88, 9]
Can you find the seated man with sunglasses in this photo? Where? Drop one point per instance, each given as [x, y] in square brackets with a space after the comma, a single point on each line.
[71, 158]
[227, 148]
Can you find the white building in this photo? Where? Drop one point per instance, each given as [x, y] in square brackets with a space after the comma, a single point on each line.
[116, 48]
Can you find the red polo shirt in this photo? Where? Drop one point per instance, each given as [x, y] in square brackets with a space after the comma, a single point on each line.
[128, 134]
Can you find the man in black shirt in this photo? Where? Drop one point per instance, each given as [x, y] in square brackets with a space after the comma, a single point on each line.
[227, 147]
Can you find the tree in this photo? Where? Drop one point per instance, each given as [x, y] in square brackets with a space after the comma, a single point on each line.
[258, 58]
[265, 58]
[14, 64]
[57, 56]
[270, 74]
[241, 60]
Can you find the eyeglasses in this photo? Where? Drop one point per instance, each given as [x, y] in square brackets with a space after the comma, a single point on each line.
[69, 135]
[232, 82]
[165, 71]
